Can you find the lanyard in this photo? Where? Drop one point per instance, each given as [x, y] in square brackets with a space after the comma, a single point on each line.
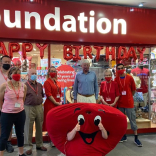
[124, 82]
[4, 76]
[36, 91]
[109, 88]
[55, 83]
[17, 94]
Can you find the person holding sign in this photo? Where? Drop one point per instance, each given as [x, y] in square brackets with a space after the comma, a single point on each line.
[13, 93]
[109, 90]
[53, 93]
[34, 112]
[127, 89]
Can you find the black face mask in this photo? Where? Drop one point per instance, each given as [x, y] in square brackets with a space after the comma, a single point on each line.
[6, 66]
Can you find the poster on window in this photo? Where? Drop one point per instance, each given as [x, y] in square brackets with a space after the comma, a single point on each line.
[56, 62]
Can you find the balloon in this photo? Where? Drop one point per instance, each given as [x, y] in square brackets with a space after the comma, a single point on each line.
[26, 47]
[13, 47]
[29, 59]
[41, 49]
[88, 141]
[76, 57]
[3, 49]
[124, 54]
[87, 51]
[141, 52]
[131, 53]
[67, 50]
[98, 49]
[16, 62]
[110, 52]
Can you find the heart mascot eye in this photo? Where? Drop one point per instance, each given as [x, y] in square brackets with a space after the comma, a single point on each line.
[81, 119]
[97, 120]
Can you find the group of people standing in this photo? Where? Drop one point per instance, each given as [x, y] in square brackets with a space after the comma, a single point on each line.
[116, 93]
[21, 104]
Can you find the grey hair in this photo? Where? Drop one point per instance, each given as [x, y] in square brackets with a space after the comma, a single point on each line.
[84, 61]
[107, 70]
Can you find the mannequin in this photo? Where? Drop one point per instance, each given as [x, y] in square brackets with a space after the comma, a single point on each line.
[143, 74]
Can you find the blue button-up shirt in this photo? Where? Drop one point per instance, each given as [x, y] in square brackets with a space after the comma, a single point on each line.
[86, 84]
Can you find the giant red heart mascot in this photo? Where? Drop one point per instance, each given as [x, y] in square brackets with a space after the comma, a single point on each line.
[88, 141]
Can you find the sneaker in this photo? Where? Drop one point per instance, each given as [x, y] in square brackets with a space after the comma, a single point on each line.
[52, 145]
[9, 147]
[138, 143]
[124, 138]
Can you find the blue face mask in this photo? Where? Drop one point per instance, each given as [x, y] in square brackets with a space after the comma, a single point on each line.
[33, 77]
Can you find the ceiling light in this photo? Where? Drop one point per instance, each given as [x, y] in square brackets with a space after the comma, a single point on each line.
[34, 49]
[31, 0]
[141, 4]
[132, 9]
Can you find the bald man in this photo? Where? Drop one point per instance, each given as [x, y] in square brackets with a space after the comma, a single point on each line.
[34, 112]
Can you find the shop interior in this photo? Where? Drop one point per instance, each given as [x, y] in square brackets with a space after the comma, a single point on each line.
[146, 103]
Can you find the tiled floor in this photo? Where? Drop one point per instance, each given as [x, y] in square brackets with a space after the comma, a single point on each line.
[122, 149]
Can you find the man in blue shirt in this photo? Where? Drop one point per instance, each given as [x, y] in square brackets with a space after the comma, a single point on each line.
[85, 85]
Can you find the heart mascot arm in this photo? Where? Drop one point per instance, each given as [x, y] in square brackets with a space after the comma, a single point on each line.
[71, 134]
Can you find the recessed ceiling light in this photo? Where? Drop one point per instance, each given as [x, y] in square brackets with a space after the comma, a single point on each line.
[34, 49]
[141, 4]
[31, 0]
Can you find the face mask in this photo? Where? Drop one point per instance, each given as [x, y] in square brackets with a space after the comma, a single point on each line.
[108, 79]
[6, 66]
[52, 75]
[16, 77]
[33, 77]
[120, 72]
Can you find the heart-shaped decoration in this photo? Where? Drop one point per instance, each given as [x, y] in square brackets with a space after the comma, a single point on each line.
[88, 141]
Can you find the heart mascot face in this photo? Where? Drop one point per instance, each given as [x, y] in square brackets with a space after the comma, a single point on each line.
[88, 141]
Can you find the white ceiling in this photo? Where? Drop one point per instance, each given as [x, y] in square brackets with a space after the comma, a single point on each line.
[134, 3]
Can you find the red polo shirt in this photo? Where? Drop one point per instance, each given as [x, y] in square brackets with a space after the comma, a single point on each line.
[110, 90]
[126, 101]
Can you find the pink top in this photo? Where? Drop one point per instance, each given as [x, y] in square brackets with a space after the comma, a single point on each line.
[11, 103]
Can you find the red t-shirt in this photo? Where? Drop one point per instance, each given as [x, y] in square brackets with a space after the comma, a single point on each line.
[112, 94]
[126, 101]
[143, 75]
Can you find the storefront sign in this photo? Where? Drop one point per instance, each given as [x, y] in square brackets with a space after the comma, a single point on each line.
[64, 21]
[66, 75]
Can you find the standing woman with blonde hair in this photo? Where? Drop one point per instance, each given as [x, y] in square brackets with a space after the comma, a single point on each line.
[53, 93]
[13, 93]
[109, 90]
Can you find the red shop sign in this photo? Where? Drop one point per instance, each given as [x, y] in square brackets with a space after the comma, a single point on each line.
[66, 75]
[65, 21]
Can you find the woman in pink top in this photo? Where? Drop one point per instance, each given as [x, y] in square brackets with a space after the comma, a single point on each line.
[12, 96]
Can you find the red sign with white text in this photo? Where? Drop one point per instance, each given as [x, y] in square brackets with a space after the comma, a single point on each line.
[66, 75]
[75, 22]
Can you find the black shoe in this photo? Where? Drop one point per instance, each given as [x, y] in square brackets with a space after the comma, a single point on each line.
[9, 147]
[124, 138]
[23, 154]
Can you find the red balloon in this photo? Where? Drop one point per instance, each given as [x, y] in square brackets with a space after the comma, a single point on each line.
[131, 53]
[26, 47]
[87, 51]
[41, 49]
[67, 50]
[141, 52]
[88, 141]
[98, 49]
[29, 59]
[3, 49]
[110, 52]
[76, 57]
[16, 62]
[124, 55]
[13, 47]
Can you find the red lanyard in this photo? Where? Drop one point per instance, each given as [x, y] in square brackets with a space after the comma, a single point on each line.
[4, 76]
[36, 91]
[109, 88]
[124, 83]
[55, 83]
[17, 94]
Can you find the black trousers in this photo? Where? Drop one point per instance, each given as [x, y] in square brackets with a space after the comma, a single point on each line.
[7, 121]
